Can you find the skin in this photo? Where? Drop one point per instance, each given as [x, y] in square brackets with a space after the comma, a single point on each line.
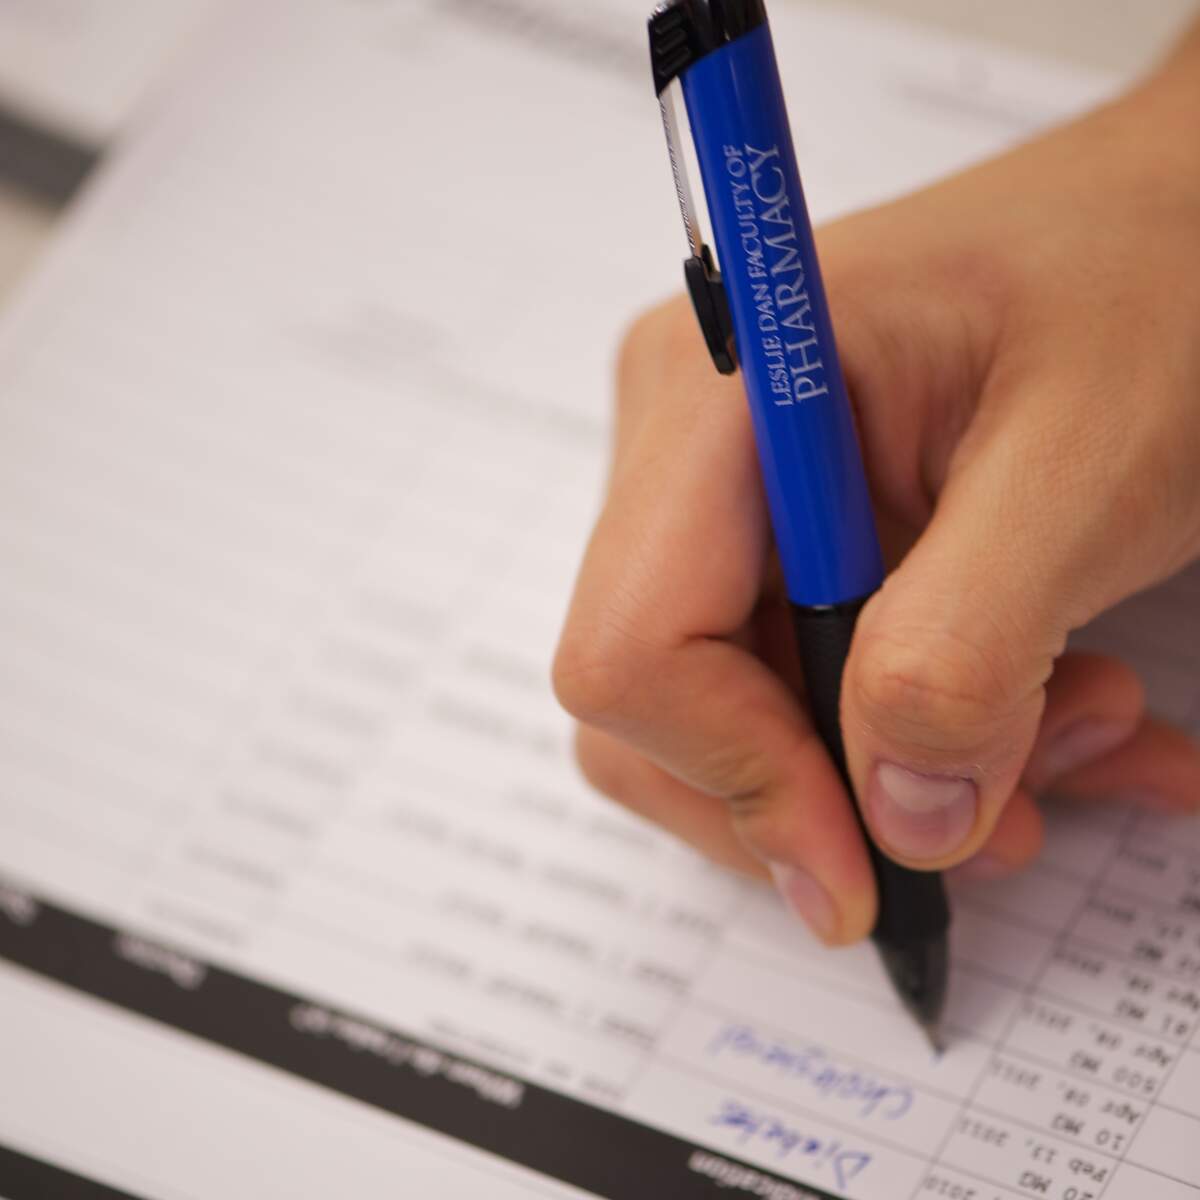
[1022, 347]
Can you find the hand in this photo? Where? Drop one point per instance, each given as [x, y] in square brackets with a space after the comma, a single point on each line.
[1022, 345]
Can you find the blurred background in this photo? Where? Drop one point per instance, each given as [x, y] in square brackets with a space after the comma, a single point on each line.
[74, 74]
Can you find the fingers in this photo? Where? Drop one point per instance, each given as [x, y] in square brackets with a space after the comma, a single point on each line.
[1155, 767]
[958, 703]
[944, 690]
[1097, 742]
[652, 650]
[1093, 705]
[1158, 769]
[1095, 745]
[722, 725]
[941, 704]
[704, 822]
[631, 779]
[1014, 843]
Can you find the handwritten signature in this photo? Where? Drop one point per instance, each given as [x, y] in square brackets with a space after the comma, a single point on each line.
[765, 1129]
[812, 1066]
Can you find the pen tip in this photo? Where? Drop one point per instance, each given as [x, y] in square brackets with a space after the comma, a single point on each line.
[934, 1038]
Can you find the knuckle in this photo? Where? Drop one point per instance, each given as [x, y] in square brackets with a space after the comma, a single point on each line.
[764, 812]
[595, 672]
[755, 821]
[752, 812]
[942, 686]
[742, 775]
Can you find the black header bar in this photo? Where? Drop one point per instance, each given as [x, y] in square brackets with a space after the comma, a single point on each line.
[557, 1135]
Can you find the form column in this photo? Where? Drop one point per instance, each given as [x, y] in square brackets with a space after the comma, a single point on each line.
[1080, 1089]
[1149, 914]
[1003, 937]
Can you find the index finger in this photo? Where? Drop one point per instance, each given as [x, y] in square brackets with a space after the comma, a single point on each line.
[673, 571]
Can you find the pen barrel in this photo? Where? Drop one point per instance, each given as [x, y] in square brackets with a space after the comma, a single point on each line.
[912, 904]
[804, 427]
[803, 423]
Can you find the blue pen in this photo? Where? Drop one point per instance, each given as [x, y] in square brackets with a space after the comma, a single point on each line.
[765, 310]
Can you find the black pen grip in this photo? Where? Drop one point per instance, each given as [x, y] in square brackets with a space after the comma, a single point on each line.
[912, 904]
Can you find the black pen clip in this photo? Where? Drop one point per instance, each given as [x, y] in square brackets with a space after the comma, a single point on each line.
[712, 309]
[671, 52]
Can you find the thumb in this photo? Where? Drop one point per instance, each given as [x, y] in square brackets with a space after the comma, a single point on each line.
[944, 688]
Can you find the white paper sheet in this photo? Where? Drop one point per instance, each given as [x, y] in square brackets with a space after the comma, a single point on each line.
[80, 67]
[303, 424]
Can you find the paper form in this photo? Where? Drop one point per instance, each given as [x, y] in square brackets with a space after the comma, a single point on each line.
[80, 67]
[303, 425]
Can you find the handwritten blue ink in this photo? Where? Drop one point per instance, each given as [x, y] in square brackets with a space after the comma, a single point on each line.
[771, 1132]
[811, 1065]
